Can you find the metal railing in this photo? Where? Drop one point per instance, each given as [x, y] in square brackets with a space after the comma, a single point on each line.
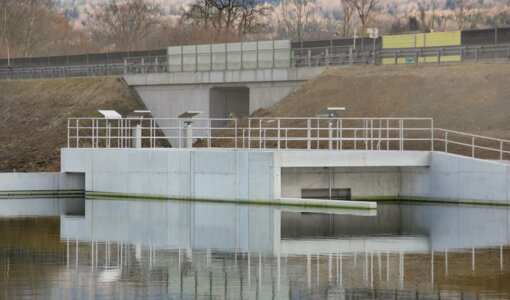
[396, 134]
[302, 57]
[446, 54]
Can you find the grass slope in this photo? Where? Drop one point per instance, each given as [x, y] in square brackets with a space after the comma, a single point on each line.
[466, 97]
[33, 116]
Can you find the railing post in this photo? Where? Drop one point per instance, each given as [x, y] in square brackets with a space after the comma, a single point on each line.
[260, 133]
[401, 133]
[78, 136]
[278, 134]
[68, 122]
[330, 134]
[243, 138]
[341, 135]
[309, 134]
[446, 142]
[432, 135]
[249, 133]
[501, 150]
[209, 128]
[235, 134]
[473, 146]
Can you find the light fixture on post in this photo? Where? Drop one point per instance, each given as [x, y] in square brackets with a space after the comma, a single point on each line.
[137, 116]
[108, 115]
[186, 118]
[330, 112]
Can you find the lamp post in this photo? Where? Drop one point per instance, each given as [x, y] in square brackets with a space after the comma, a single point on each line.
[186, 118]
[330, 113]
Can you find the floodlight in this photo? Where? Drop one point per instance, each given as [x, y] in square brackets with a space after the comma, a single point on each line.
[110, 114]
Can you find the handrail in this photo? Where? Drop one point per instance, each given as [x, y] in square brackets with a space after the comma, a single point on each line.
[290, 133]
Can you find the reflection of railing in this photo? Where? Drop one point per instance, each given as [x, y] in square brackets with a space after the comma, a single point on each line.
[397, 134]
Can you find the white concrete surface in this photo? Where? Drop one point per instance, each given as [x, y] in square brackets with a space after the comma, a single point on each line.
[222, 77]
[453, 177]
[176, 173]
[364, 182]
[26, 182]
[254, 175]
[358, 158]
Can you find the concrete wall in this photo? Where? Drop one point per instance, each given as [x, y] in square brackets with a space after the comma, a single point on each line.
[453, 177]
[365, 183]
[230, 56]
[241, 175]
[173, 173]
[27, 182]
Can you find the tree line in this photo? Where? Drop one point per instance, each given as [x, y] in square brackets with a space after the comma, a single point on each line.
[40, 28]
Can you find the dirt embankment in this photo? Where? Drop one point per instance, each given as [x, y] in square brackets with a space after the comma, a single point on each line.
[33, 120]
[466, 97]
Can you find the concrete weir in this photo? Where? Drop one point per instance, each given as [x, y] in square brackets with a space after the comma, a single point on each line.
[283, 176]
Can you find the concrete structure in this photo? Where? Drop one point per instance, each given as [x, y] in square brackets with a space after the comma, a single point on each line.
[270, 176]
[222, 80]
[40, 184]
[217, 93]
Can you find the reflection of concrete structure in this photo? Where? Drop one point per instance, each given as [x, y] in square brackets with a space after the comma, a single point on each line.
[198, 247]
[40, 207]
[182, 225]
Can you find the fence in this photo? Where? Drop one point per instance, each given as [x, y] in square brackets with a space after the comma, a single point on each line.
[446, 54]
[397, 134]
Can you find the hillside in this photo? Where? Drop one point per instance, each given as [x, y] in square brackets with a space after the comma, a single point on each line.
[466, 97]
[33, 120]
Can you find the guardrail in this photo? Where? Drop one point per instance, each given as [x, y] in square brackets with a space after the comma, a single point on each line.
[397, 134]
[302, 57]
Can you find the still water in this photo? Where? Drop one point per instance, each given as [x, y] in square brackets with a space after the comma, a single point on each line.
[128, 249]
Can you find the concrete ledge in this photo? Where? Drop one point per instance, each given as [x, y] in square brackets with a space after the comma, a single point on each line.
[41, 184]
[291, 202]
[329, 203]
[229, 76]
[357, 158]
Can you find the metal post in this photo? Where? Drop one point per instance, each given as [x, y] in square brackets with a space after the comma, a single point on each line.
[341, 135]
[68, 132]
[235, 134]
[260, 134]
[209, 128]
[401, 134]
[473, 146]
[78, 136]
[432, 135]
[278, 134]
[446, 142]
[309, 134]
[309, 58]
[330, 135]
[501, 150]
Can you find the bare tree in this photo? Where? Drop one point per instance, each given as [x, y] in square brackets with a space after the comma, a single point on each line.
[295, 17]
[347, 13]
[229, 18]
[25, 25]
[124, 24]
[427, 14]
[364, 8]
[462, 12]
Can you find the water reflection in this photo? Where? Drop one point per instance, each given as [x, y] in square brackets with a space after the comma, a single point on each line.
[179, 249]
